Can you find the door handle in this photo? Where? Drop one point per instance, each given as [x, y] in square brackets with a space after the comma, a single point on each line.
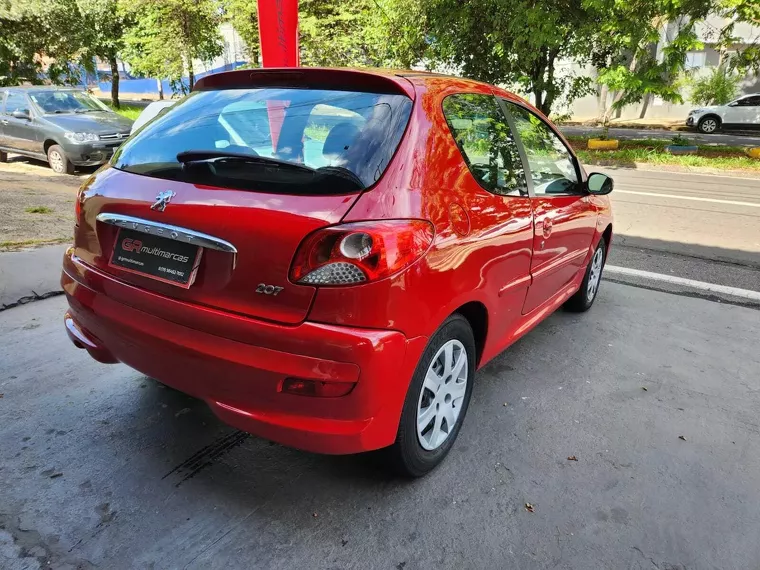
[546, 227]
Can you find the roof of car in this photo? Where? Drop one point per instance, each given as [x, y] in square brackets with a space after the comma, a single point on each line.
[324, 77]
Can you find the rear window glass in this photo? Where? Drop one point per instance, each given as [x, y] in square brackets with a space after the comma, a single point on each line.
[288, 140]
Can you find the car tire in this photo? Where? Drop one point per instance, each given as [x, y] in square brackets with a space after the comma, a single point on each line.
[58, 161]
[3, 156]
[708, 125]
[417, 451]
[585, 296]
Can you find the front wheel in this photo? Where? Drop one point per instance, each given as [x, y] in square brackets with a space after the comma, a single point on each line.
[58, 161]
[708, 125]
[585, 296]
[437, 400]
[3, 156]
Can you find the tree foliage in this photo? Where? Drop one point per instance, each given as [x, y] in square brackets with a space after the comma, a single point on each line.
[37, 32]
[167, 36]
[716, 88]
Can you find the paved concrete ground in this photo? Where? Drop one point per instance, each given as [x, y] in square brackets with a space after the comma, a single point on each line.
[104, 468]
[730, 138]
[29, 274]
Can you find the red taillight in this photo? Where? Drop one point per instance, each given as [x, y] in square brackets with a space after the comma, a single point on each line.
[78, 206]
[316, 388]
[351, 254]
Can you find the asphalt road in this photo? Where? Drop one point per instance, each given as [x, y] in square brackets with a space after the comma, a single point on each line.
[104, 468]
[728, 138]
[695, 226]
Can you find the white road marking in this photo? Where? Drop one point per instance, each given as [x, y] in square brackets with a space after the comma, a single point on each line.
[694, 198]
[700, 285]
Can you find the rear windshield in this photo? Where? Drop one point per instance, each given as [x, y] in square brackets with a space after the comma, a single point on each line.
[303, 141]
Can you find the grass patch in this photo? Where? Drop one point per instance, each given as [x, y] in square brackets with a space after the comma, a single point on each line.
[652, 151]
[38, 210]
[129, 111]
[16, 244]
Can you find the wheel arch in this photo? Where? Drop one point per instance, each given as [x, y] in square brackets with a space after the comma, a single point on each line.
[710, 116]
[48, 143]
[607, 235]
[477, 315]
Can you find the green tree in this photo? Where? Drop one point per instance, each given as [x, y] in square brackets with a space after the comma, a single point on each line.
[511, 42]
[244, 17]
[103, 29]
[37, 35]
[167, 36]
[634, 63]
[716, 88]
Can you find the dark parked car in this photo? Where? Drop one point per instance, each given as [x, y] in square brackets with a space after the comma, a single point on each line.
[65, 126]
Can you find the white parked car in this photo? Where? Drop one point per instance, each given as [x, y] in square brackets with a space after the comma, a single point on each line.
[150, 112]
[742, 113]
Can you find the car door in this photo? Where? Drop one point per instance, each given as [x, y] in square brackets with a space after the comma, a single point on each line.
[19, 134]
[564, 219]
[742, 113]
[494, 203]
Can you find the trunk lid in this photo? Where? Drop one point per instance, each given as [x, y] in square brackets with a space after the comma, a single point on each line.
[266, 229]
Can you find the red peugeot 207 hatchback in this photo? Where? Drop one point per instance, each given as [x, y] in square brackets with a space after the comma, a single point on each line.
[326, 257]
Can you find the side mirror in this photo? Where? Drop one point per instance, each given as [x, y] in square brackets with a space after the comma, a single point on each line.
[599, 184]
[733, 104]
[22, 114]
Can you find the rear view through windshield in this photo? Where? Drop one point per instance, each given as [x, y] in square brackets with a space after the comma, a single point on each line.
[303, 141]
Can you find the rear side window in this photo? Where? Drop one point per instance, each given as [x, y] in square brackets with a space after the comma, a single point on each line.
[302, 141]
[16, 102]
[486, 142]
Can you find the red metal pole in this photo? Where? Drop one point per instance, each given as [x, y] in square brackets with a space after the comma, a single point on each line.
[278, 32]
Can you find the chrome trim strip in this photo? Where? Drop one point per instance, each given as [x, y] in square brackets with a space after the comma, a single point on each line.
[165, 230]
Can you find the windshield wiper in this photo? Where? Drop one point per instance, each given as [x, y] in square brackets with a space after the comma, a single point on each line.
[79, 111]
[211, 156]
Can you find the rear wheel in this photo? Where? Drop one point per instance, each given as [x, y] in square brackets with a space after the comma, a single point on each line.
[586, 295]
[3, 156]
[708, 125]
[437, 400]
[58, 161]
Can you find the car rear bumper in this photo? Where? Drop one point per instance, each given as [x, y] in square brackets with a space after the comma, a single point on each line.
[242, 382]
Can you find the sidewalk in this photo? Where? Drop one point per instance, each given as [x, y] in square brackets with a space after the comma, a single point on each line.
[659, 124]
[30, 274]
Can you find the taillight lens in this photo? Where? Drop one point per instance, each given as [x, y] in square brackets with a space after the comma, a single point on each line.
[78, 205]
[356, 253]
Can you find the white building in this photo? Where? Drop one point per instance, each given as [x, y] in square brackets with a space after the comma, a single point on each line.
[699, 62]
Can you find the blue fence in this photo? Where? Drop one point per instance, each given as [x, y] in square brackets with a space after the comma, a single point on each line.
[149, 86]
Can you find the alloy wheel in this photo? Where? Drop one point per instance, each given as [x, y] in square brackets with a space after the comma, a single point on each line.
[709, 125]
[56, 162]
[442, 395]
[595, 275]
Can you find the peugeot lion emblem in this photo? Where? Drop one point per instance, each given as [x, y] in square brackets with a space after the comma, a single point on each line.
[162, 200]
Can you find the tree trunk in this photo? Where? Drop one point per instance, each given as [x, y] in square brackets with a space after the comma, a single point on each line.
[601, 103]
[190, 73]
[539, 96]
[160, 86]
[114, 82]
[645, 106]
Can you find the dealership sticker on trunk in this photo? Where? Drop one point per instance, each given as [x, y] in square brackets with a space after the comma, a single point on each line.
[156, 257]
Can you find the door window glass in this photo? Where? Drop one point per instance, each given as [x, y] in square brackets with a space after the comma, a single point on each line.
[552, 168]
[15, 102]
[487, 144]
